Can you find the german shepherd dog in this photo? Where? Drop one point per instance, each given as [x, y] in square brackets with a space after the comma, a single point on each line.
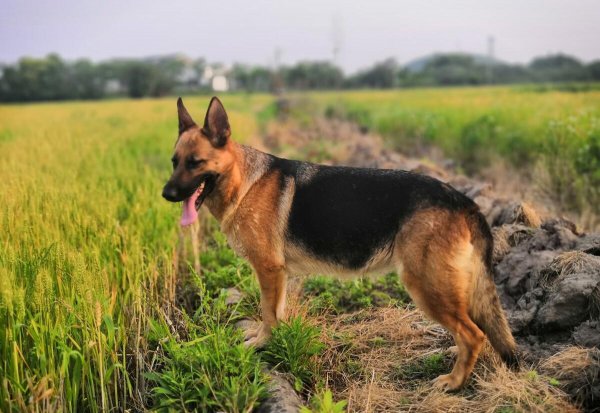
[290, 217]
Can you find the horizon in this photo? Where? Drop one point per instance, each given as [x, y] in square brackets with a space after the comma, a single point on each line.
[235, 62]
[347, 34]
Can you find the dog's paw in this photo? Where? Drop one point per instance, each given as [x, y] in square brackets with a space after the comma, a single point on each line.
[447, 382]
[259, 337]
[249, 328]
[257, 342]
[453, 350]
[251, 332]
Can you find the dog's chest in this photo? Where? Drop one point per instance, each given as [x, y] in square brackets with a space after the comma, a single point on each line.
[234, 239]
[246, 236]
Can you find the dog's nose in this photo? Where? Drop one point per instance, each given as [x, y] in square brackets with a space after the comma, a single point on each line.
[170, 193]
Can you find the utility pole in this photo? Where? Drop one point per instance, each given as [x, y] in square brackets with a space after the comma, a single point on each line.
[336, 41]
[278, 86]
[490, 54]
[336, 38]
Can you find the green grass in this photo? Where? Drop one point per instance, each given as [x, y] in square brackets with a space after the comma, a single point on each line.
[332, 295]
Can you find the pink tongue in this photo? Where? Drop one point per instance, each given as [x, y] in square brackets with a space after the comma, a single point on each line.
[189, 214]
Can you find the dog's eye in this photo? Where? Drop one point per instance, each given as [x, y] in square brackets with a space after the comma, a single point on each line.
[194, 163]
[174, 161]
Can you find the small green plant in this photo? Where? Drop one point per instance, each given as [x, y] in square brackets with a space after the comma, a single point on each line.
[323, 403]
[427, 367]
[532, 375]
[377, 342]
[211, 370]
[222, 269]
[208, 374]
[293, 348]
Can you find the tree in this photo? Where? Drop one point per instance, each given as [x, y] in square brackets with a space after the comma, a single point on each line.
[37, 79]
[594, 70]
[455, 69]
[556, 68]
[137, 77]
[382, 75]
[87, 80]
[313, 75]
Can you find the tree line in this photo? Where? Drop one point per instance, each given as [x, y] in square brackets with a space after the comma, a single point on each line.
[53, 78]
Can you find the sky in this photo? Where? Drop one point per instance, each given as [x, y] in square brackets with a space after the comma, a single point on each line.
[255, 31]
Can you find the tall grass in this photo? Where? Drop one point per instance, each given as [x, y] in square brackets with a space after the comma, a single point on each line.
[87, 246]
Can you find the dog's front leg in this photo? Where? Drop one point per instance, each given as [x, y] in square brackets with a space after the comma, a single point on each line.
[272, 279]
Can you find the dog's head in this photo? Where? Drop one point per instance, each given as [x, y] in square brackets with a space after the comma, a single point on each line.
[201, 155]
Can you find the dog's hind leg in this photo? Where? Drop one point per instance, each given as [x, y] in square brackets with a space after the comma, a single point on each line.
[281, 298]
[436, 272]
[450, 310]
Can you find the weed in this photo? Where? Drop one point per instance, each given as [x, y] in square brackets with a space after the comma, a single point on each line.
[223, 269]
[293, 348]
[323, 403]
[214, 371]
[532, 375]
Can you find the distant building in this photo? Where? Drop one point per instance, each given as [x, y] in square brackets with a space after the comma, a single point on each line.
[220, 83]
[217, 78]
[188, 75]
[113, 87]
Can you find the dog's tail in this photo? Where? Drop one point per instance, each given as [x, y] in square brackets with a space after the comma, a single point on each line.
[484, 307]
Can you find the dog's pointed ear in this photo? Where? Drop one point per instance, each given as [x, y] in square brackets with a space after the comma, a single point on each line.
[185, 120]
[216, 125]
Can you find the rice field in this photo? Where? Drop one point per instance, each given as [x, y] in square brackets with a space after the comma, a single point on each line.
[87, 247]
[514, 122]
[94, 314]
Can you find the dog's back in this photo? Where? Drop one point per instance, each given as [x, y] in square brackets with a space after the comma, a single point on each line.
[346, 215]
